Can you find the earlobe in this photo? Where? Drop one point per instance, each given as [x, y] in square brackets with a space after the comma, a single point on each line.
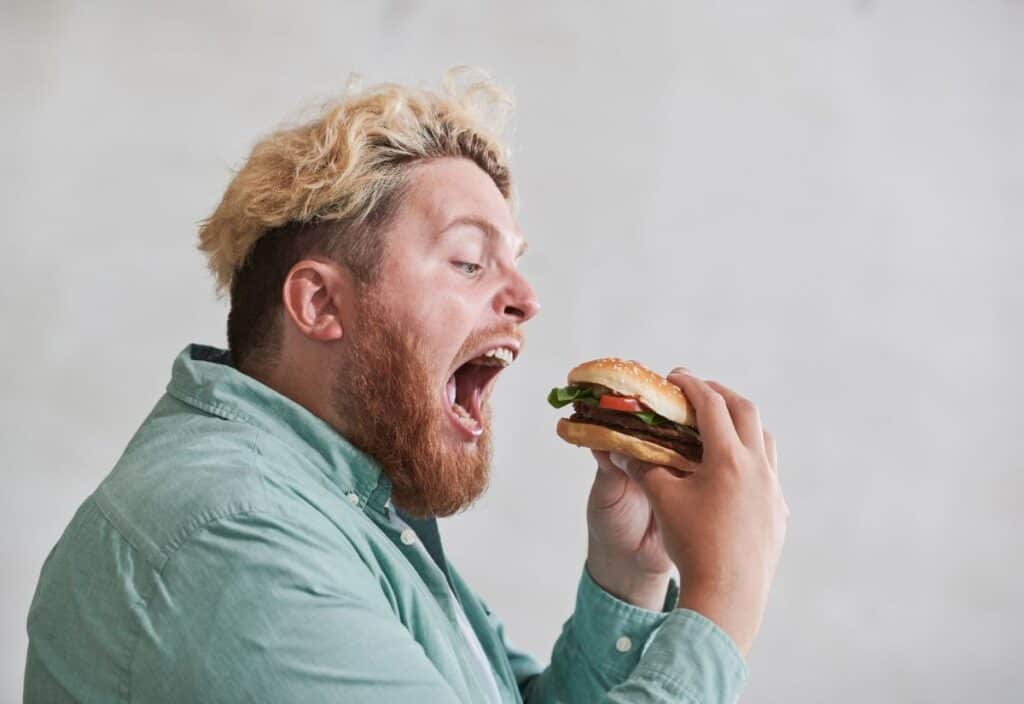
[309, 296]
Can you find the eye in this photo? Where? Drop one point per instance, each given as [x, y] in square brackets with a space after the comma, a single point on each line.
[468, 268]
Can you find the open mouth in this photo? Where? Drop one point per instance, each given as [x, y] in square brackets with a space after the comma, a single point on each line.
[470, 385]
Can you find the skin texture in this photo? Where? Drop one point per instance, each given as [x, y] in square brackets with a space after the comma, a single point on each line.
[445, 291]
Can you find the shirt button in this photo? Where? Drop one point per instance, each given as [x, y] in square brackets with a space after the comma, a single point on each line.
[353, 498]
[623, 644]
[408, 536]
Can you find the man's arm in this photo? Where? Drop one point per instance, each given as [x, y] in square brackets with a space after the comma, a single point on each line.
[723, 527]
[610, 652]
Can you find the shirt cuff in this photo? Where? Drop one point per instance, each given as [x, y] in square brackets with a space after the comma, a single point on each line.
[693, 660]
[612, 633]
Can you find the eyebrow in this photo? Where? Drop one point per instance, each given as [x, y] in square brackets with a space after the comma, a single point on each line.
[484, 226]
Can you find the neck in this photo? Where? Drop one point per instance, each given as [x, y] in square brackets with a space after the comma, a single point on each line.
[308, 390]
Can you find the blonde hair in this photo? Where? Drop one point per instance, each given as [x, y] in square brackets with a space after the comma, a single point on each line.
[348, 166]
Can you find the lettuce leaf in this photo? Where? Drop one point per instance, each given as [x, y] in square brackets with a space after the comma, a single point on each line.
[651, 418]
[565, 395]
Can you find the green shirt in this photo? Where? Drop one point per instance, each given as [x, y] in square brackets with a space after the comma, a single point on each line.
[242, 551]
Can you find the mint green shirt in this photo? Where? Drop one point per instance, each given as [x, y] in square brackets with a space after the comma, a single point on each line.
[242, 551]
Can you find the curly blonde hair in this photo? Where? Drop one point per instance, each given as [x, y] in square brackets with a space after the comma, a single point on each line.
[330, 185]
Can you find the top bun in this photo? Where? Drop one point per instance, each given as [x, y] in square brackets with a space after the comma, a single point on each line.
[631, 378]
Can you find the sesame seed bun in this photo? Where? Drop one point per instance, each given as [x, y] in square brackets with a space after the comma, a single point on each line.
[598, 437]
[631, 378]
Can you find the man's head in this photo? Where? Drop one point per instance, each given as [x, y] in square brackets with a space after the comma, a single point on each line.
[370, 254]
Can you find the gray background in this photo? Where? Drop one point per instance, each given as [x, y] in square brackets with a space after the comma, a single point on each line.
[816, 203]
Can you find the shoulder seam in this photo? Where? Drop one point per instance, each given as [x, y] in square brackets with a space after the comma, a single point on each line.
[157, 555]
[200, 521]
[126, 683]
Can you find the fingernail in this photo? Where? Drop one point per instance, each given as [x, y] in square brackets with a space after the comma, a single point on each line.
[682, 370]
[620, 461]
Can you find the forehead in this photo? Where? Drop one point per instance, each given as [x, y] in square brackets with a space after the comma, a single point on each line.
[449, 191]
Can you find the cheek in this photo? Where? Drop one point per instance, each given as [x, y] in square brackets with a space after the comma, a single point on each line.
[438, 308]
[446, 319]
[446, 326]
[447, 302]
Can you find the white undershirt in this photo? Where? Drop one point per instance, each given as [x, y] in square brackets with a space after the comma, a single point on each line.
[460, 615]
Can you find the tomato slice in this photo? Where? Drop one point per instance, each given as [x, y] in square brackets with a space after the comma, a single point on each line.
[619, 403]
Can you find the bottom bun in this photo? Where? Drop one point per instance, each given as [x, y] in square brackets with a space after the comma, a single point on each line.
[598, 437]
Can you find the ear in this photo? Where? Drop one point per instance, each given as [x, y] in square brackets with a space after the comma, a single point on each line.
[314, 294]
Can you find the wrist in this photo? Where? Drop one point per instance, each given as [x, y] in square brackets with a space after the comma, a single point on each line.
[640, 589]
[738, 616]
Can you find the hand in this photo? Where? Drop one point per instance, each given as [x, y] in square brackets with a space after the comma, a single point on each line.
[724, 525]
[625, 554]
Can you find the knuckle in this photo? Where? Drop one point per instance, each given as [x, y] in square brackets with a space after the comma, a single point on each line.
[713, 398]
[783, 505]
[745, 405]
[734, 457]
[717, 388]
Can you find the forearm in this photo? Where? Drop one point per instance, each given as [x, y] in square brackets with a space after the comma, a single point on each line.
[734, 611]
[646, 591]
[611, 651]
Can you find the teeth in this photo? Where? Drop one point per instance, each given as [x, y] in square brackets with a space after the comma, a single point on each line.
[498, 357]
[466, 419]
[461, 412]
[502, 354]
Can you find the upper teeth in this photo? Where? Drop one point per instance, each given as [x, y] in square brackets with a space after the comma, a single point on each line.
[504, 354]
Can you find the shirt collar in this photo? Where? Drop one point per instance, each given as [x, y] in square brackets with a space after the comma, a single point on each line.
[203, 377]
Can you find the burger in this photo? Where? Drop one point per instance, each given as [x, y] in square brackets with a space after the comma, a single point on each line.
[622, 406]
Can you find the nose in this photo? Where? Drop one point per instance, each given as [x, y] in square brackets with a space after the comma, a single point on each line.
[518, 299]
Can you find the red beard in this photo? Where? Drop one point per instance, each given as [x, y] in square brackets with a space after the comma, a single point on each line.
[389, 404]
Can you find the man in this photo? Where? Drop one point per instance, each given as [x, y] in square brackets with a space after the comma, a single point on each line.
[270, 532]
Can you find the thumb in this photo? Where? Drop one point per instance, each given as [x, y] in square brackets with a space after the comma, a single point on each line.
[608, 484]
[656, 480]
[604, 462]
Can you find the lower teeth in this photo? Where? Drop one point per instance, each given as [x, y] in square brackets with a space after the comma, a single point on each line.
[463, 414]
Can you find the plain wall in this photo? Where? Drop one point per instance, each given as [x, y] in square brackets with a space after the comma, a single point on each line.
[815, 203]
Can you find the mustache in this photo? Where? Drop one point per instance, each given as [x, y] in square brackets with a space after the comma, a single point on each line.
[480, 338]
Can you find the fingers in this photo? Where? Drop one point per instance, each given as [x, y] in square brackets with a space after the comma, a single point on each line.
[630, 466]
[745, 416]
[617, 464]
[609, 483]
[645, 472]
[773, 460]
[769, 447]
[603, 462]
[713, 418]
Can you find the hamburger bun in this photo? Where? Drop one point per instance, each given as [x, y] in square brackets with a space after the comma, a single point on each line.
[631, 378]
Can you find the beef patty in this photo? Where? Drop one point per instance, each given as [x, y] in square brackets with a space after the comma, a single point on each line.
[675, 437]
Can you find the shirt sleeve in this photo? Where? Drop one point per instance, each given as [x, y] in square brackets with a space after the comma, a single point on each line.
[610, 651]
[251, 609]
